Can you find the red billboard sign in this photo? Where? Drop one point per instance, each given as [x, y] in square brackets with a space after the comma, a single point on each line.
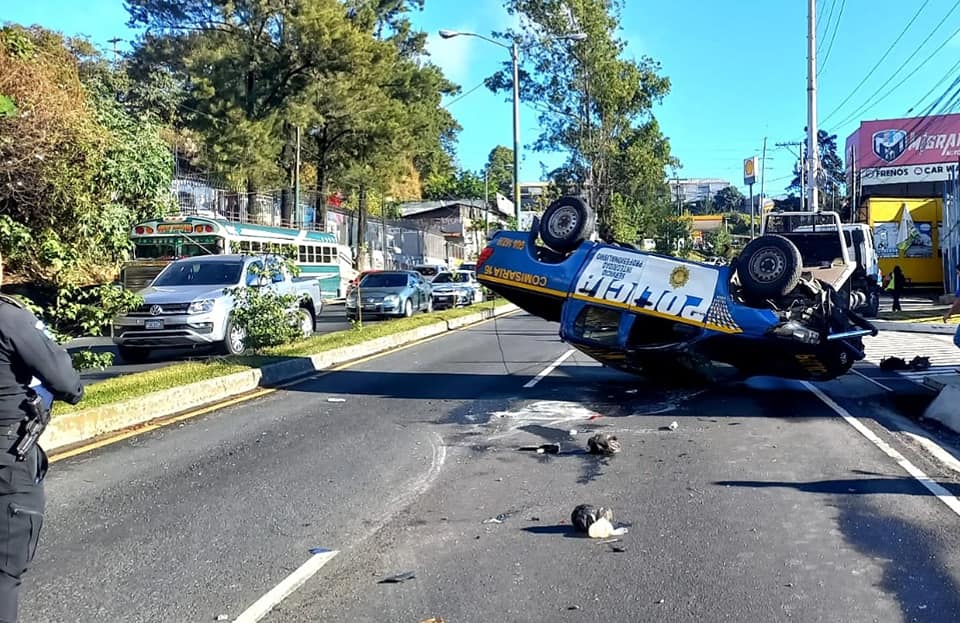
[905, 150]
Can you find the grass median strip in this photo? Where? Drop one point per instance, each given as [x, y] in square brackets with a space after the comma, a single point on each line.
[175, 375]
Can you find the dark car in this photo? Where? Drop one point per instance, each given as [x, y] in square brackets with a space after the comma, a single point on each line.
[773, 311]
[390, 293]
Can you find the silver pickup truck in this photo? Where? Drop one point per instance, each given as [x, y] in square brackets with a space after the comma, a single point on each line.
[189, 304]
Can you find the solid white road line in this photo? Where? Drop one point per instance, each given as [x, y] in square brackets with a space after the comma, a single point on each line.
[546, 371]
[874, 381]
[934, 487]
[284, 589]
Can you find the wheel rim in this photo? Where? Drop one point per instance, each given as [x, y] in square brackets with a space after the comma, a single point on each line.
[430, 305]
[236, 339]
[768, 265]
[306, 322]
[563, 222]
[408, 309]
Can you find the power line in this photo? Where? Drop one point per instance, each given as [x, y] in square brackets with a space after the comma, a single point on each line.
[879, 62]
[836, 28]
[872, 101]
[826, 27]
[457, 99]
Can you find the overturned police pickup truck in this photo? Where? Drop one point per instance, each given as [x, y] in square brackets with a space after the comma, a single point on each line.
[783, 308]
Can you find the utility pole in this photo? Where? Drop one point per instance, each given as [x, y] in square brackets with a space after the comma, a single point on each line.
[763, 168]
[116, 54]
[486, 207]
[812, 151]
[296, 182]
[679, 202]
[515, 56]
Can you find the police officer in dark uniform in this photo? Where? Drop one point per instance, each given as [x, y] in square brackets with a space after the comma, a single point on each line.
[26, 355]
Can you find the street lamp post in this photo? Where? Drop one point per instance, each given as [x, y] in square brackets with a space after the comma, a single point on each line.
[515, 59]
[514, 54]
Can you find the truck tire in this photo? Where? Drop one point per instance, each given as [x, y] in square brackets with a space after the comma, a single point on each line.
[567, 222]
[407, 308]
[769, 266]
[129, 354]
[232, 343]
[308, 321]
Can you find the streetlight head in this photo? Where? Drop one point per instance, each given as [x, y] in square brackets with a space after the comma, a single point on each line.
[448, 34]
[577, 36]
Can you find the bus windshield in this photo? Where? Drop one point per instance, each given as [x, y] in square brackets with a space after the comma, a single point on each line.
[171, 247]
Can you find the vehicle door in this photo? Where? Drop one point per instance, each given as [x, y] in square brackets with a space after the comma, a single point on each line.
[597, 329]
[414, 288]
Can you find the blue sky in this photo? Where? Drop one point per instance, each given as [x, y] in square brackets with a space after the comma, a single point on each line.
[738, 69]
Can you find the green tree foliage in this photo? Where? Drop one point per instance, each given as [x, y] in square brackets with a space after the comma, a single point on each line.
[595, 105]
[353, 75]
[832, 178]
[76, 171]
[728, 199]
[462, 185]
[499, 171]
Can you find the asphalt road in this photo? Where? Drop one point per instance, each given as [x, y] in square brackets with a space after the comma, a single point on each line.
[762, 505]
[333, 318]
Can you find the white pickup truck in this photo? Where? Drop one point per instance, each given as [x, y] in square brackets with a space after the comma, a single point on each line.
[189, 304]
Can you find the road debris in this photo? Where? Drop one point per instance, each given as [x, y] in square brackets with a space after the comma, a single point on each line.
[672, 426]
[502, 517]
[433, 620]
[573, 432]
[547, 448]
[619, 549]
[573, 607]
[399, 578]
[332, 399]
[603, 443]
[632, 391]
[222, 617]
[596, 521]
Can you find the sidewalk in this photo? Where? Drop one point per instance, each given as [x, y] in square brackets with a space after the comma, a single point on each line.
[944, 355]
[919, 314]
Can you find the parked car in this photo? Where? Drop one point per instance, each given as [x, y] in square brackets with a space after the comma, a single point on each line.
[353, 282]
[471, 266]
[454, 288]
[429, 271]
[390, 293]
[784, 307]
[189, 304]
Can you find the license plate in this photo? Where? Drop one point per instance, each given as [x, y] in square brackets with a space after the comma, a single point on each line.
[369, 307]
[152, 325]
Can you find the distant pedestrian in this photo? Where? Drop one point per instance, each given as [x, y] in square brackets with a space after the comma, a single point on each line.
[895, 286]
[955, 308]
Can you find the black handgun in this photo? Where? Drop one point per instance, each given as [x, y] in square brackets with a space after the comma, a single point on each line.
[38, 416]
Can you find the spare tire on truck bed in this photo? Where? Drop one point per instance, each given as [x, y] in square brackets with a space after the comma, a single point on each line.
[566, 223]
[769, 267]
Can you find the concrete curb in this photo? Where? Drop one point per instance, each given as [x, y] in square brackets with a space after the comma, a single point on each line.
[938, 328]
[80, 426]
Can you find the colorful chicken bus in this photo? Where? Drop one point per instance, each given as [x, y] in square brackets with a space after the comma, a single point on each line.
[156, 243]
